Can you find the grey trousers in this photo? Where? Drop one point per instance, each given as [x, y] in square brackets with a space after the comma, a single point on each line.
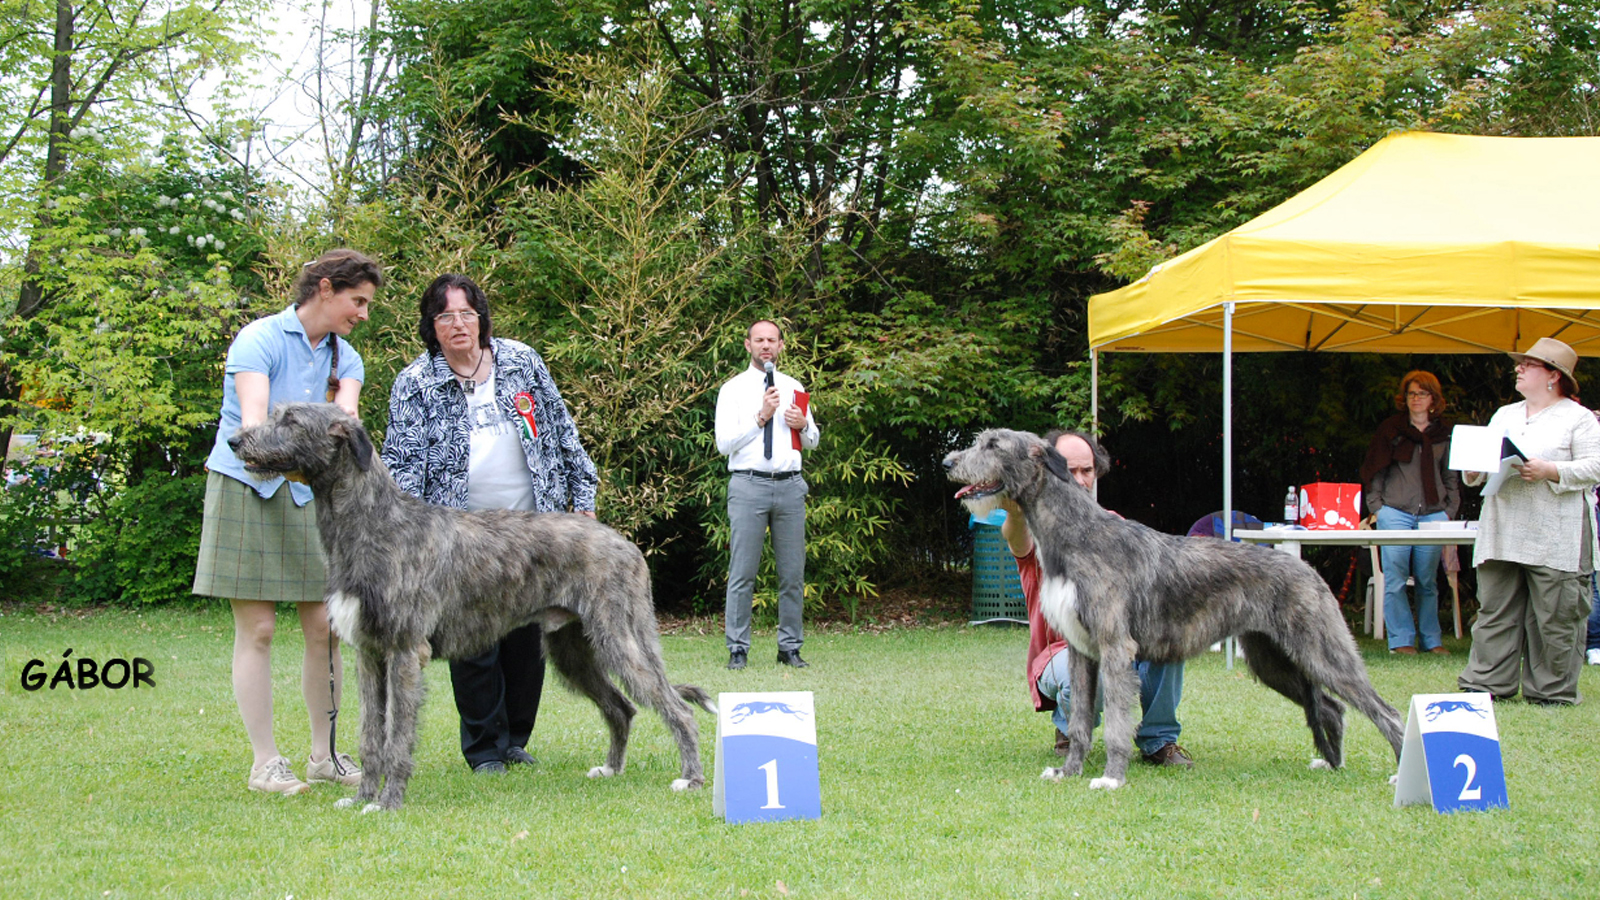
[1529, 633]
[756, 506]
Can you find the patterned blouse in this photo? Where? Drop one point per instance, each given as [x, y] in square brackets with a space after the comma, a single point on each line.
[429, 440]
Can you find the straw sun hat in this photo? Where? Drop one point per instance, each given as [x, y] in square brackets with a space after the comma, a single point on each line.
[1554, 354]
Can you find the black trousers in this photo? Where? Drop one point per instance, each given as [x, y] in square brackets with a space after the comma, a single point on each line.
[497, 695]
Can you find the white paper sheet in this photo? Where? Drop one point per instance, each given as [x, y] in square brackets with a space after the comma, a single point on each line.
[1479, 448]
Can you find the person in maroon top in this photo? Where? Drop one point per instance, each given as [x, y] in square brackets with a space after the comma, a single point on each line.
[1160, 684]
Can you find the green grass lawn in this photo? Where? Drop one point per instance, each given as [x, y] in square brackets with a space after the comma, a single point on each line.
[930, 757]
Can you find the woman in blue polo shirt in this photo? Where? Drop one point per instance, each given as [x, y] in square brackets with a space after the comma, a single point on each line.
[259, 544]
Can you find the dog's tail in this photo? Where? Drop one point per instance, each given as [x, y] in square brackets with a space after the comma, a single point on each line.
[696, 696]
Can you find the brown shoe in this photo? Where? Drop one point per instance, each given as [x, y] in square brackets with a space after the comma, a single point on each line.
[1440, 650]
[1061, 743]
[1404, 651]
[1170, 755]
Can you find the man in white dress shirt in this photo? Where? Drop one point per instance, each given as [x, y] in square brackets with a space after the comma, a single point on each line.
[757, 421]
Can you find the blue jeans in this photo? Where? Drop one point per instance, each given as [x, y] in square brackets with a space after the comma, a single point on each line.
[1594, 612]
[1420, 564]
[1160, 690]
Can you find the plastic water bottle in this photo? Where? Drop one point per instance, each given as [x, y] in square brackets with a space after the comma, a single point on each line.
[1291, 507]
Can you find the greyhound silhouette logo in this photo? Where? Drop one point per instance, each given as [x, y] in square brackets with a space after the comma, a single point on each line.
[760, 707]
[1441, 707]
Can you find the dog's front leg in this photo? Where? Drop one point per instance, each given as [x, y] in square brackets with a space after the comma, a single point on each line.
[1120, 683]
[372, 673]
[400, 736]
[1084, 688]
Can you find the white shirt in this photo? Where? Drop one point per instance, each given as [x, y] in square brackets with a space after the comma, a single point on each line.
[738, 434]
[1544, 523]
[497, 470]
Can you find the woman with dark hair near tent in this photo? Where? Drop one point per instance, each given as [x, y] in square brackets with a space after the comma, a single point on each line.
[1536, 539]
[1406, 482]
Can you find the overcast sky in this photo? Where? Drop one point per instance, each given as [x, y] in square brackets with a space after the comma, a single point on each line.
[284, 88]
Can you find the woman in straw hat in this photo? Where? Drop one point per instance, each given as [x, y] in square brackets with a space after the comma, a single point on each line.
[1536, 539]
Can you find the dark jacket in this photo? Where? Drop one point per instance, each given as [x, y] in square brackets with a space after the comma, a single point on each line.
[1392, 473]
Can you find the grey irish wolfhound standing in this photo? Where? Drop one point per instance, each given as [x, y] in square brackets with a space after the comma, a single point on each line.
[408, 581]
[1118, 591]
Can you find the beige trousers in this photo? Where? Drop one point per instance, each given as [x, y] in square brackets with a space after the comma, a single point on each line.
[1529, 634]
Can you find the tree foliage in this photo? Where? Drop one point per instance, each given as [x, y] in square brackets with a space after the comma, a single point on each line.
[924, 193]
[85, 90]
[639, 250]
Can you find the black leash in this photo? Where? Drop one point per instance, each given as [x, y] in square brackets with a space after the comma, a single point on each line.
[333, 690]
[333, 713]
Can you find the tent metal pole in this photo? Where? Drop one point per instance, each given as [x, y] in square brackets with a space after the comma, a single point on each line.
[1094, 405]
[1227, 421]
[1230, 645]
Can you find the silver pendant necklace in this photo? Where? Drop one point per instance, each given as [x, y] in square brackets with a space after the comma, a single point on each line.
[468, 383]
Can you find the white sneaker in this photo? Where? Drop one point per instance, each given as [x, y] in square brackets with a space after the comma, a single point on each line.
[1594, 657]
[274, 777]
[346, 773]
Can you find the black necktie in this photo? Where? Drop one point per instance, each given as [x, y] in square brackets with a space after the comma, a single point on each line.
[766, 430]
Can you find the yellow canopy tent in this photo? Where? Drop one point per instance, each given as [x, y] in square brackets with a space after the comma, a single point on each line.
[1426, 243]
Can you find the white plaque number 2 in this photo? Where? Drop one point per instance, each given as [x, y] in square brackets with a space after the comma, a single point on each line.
[771, 768]
[1468, 792]
[1450, 757]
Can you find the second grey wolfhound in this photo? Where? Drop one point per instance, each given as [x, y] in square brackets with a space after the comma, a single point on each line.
[408, 581]
[1118, 592]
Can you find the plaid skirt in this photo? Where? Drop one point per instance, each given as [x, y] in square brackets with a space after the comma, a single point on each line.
[255, 549]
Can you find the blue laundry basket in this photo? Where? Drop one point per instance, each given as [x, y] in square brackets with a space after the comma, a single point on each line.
[996, 589]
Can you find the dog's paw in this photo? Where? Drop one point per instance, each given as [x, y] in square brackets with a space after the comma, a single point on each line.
[1394, 779]
[602, 772]
[373, 807]
[687, 784]
[1107, 784]
[344, 803]
[1052, 773]
[1320, 764]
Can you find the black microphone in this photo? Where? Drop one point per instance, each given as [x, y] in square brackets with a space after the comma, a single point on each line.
[766, 430]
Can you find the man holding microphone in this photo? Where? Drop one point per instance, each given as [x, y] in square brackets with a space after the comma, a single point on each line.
[763, 422]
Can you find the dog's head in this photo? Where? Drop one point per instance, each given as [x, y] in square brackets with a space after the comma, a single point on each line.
[303, 442]
[1003, 463]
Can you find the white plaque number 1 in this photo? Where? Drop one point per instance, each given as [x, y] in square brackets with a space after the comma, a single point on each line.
[766, 757]
[771, 768]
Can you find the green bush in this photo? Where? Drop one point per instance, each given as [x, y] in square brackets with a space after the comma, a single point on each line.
[26, 510]
[142, 551]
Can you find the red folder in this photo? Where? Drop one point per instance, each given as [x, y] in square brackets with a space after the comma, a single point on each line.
[802, 402]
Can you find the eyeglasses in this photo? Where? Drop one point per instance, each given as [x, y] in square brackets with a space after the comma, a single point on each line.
[1529, 364]
[465, 317]
[1412, 395]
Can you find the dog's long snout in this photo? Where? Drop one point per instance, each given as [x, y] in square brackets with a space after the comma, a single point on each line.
[949, 461]
[234, 442]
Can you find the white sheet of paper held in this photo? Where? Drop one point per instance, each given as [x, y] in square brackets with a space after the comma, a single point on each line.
[1479, 448]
